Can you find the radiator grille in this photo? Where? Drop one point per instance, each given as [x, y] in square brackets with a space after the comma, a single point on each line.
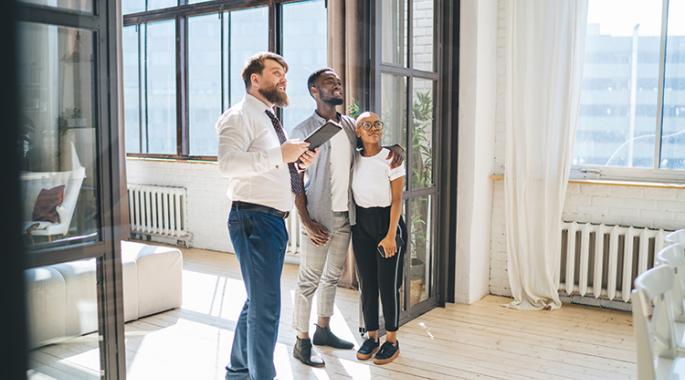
[159, 211]
[605, 267]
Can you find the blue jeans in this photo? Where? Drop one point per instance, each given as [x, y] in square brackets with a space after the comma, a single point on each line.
[259, 240]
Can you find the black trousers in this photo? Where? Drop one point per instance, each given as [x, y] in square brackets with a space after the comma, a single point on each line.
[376, 273]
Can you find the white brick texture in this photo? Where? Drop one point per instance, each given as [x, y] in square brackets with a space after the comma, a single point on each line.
[207, 201]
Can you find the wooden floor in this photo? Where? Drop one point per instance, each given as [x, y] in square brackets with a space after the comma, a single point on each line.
[480, 341]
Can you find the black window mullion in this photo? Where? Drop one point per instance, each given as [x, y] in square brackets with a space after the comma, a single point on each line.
[376, 55]
[55, 255]
[410, 34]
[195, 9]
[139, 43]
[228, 60]
[223, 61]
[147, 103]
[663, 44]
[59, 17]
[182, 120]
[276, 35]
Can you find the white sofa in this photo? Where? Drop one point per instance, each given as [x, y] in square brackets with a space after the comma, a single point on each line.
[62, 298]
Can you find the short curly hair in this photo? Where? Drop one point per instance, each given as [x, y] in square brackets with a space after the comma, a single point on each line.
[311, 81]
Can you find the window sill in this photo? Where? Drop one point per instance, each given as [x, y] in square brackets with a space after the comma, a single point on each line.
[611, 182]
[173, 160]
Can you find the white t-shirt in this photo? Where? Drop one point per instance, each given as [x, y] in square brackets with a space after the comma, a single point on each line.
[340, 161]
[371, 180]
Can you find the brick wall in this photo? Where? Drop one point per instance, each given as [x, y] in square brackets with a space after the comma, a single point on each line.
[207, 202]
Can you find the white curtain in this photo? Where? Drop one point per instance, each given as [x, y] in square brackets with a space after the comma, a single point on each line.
[543, 61]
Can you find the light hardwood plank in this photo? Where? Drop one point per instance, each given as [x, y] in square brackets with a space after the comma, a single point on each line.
[480, 341]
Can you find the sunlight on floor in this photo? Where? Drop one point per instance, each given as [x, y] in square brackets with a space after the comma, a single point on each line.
[463, 342]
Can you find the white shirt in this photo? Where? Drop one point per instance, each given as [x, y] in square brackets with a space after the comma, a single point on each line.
[371, 180]
[340, 161]
[250, 156]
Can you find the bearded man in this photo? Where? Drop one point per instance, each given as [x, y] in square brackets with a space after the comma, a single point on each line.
[259, 160]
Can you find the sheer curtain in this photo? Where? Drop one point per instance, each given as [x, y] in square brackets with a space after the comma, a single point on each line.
[543, 60]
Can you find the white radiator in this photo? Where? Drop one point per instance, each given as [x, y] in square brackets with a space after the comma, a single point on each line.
[606, 267]
[159, 212]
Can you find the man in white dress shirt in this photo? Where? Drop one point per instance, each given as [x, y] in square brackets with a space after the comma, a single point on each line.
[260, 162]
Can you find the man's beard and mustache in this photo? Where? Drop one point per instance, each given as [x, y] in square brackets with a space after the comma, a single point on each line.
[273, 95]
[333, 101]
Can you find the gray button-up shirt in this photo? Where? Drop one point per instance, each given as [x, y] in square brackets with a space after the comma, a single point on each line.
[318, 175]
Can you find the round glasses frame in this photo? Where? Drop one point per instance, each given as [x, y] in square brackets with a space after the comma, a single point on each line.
[377, 125]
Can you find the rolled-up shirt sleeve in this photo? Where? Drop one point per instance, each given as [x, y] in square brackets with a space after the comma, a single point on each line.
[234, 142]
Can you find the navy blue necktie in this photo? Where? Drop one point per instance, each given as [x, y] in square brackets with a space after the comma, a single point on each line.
[295, 184]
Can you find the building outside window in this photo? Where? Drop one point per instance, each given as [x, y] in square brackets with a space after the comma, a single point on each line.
[632, 113]
[172, 101]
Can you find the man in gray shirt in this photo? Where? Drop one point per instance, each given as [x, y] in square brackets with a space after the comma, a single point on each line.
[326, 210]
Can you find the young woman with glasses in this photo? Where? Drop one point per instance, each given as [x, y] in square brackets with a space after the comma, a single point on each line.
[378, 238]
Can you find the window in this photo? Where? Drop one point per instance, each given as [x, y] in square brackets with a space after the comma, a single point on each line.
[182, 69]
[150, 87]
[67, 115]
[84, 6]
[58, 143]
[135, 6]
[407, 82]
[204, 82]
[632, 112]
[304, 48]
[249, 33]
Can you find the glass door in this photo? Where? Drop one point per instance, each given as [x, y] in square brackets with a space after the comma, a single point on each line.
[68, 155]
[405, 79]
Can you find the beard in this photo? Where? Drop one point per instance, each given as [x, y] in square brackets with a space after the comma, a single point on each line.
[333, 101]
[273, 95]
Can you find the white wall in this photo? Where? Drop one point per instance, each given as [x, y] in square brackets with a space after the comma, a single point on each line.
[624, 205]
[207, 202]
[477, 85]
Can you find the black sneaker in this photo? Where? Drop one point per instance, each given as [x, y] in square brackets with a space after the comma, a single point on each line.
[387, 353]
[368, 348]
[304, 352]
[323, 336]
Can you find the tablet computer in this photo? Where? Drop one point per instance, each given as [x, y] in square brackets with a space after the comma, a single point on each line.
[323, 134]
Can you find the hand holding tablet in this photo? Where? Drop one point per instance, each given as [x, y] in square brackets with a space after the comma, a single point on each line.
[323, 134]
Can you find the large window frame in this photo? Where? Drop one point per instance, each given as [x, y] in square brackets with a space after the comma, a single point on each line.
[103, 21]
[444, 75]
[656, 173]
[181, 14]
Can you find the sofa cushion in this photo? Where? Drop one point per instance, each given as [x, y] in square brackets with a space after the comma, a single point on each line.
[81, 295]
[62, 298]
[160, 272]
[130, 282]
[46, 299]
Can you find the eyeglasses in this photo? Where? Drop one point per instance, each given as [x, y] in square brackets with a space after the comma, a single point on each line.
[377, 125]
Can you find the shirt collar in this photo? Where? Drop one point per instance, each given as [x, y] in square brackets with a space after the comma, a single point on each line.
[252, 101]
[320, 119]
